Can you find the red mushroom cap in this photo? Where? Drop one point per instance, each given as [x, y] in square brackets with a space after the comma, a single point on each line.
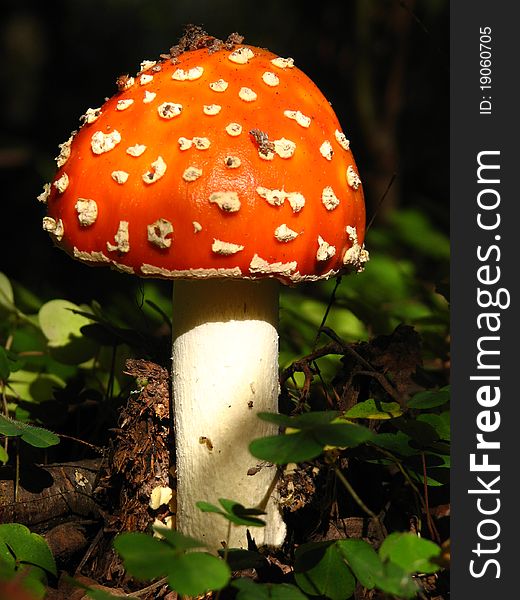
[226, 164]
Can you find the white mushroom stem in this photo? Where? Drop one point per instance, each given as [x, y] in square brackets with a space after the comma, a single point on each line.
[225, 371]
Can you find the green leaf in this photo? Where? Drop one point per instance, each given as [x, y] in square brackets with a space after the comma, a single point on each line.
[14, 362]
[410, 552]
[429, 399]
[286, 448]
[7, 562]
[177, 540]
[59, 321]
[249, 590]
[307, 420]
[422, 434]
[22, 584]
[446, 428]
[34, 436]
[196, 573]
[396, 443]
[27, 547]
[61, 324]
[6, 293]
[5, 368]
[240, 515]
[370, 409]
[234, 512]
[307, 436]
[436, 476]
[32, 580]
[100, 334]
[239, 559]
[189, 574]
[415, 229]
[342, 434]
[441, 423]
[34, 386]
[8, 363]
[320, 570]
[363, 560]
[397, 581]
[208, 507]
[4, 457]
[145, 557]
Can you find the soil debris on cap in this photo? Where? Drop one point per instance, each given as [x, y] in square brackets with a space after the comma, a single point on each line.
[196, 38]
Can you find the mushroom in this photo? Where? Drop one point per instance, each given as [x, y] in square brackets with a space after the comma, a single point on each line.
[227, 171]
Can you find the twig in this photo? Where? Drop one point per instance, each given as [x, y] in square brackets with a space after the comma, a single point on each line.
[89, 551]
[17, 469]
[431, 527]
[423, 500]
[75, 439]
[147, 589]
[263, 503]
[302, 365]
[405, 474]
[358, 500]
[339, 347]
[332, 299]
[226, 552]
[380, 203]
[109, 392]
[385, 384]
[346, 349]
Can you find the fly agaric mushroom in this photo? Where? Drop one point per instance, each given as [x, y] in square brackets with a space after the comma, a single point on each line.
[225, 169]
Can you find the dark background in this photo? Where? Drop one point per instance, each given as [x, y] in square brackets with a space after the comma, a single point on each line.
[383, 64]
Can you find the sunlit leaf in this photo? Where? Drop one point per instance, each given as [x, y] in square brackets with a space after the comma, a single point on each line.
[234, 512]
[61, 323]
[33, 386]
[6, 293]
[410, 552]
[397, 581]
[371, 409]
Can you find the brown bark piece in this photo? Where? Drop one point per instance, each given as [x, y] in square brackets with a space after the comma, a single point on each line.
[49, 492]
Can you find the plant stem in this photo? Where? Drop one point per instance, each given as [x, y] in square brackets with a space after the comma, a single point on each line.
[358, 500]
[433, 530]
